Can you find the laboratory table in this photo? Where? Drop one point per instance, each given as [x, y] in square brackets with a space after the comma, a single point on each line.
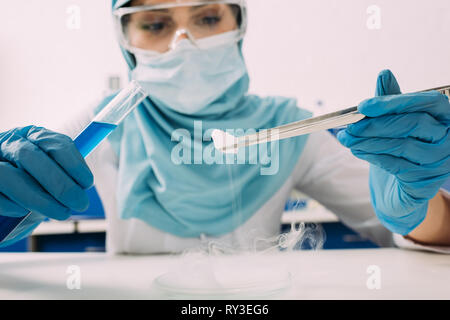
[326, 274]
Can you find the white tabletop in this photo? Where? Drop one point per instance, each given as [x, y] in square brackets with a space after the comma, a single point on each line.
[327, 274]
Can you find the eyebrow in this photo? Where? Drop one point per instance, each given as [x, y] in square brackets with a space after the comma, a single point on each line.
[161, 10]
[193, 8]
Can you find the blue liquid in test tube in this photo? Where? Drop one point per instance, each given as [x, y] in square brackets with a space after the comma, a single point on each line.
[91, 137]
[103, 124]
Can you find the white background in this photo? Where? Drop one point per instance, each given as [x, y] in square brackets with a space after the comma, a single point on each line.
[312, 50]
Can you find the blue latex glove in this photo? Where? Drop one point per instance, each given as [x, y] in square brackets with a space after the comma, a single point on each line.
[43, 172]
[406, 140]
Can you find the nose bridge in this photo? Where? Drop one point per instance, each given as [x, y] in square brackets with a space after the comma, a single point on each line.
[182, 34]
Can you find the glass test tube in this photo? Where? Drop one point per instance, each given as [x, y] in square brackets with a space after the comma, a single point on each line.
[100, 127]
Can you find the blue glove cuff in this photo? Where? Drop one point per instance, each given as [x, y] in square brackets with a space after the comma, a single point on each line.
[405, 224]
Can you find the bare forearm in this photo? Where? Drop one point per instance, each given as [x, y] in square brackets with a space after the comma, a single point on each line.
[435, 229]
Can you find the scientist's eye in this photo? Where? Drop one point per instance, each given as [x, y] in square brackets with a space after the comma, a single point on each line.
[210, 17]
[210, 21]
[156, 27]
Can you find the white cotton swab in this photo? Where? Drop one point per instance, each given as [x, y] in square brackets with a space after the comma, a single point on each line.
[224, 141]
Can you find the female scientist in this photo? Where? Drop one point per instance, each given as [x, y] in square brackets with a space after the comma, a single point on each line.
[187, 55]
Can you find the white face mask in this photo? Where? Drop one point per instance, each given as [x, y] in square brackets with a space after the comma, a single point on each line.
[189, 79]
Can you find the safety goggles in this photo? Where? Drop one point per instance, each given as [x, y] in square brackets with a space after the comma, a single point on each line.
[155, 29]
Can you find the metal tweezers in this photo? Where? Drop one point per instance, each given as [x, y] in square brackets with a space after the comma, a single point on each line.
[327, 121]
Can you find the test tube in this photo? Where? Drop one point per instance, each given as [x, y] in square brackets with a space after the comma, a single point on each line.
[99, 128]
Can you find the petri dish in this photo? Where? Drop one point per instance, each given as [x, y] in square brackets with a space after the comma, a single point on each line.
[223, 280]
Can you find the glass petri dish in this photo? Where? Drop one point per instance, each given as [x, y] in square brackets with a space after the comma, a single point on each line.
[223, 281]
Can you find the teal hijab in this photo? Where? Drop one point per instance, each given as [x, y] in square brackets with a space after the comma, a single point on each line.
[188, 200]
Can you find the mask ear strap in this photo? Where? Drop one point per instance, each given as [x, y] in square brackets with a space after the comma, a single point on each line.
[180, 33]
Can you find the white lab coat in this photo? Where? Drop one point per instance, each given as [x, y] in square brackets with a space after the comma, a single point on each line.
[326, 172]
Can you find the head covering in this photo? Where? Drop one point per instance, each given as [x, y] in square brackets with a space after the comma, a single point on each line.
[190, 200]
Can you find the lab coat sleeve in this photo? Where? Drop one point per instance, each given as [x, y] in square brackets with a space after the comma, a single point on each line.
[404, 243]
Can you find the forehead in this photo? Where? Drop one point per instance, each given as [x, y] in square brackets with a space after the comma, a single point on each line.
[152, 2]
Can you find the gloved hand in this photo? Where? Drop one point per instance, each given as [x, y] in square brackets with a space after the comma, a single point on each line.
[406, 140]
[41, 171]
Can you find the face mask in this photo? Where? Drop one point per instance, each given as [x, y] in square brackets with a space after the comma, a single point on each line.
[188, 79]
